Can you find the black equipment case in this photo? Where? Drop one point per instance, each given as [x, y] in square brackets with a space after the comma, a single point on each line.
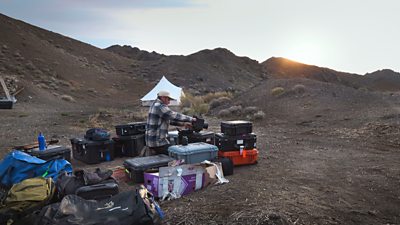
[194, 137]
[236, 127]
[232, 143]
[137, 166]
[98, 191]
[6, 103]
[92, 152]
[131, 129]
[129, 145]
[52, 152]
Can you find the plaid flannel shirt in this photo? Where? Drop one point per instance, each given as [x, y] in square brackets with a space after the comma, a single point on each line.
[160, 116]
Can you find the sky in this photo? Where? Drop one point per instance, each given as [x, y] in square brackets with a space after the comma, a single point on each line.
[356, 36]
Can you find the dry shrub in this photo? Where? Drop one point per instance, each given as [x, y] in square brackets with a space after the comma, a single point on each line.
[276, 91]
[299, 89]
[186, 101]
[67, 98]
[217, 95]
[219, 101]
[259, 115]
[250, 110]
[224, 113]
[194, 105]
[235, 110]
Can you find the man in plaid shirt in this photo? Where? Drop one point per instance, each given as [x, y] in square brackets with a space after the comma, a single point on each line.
[159, 118]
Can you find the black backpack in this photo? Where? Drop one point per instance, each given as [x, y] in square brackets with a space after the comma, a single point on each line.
[97, 134]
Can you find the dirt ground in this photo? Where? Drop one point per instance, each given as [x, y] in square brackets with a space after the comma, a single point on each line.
[319, 171]
[329, 146]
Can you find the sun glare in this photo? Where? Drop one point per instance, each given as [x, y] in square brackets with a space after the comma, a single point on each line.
[306, 52]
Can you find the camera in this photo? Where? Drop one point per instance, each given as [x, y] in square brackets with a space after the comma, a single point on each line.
[199, 124]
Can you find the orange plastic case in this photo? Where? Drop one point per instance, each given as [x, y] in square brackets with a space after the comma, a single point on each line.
[246, 157]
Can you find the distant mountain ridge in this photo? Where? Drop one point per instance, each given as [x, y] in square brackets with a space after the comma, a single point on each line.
[381, 80]
[51, 65]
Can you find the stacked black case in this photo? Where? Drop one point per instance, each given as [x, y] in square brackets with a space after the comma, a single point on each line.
[194, 137]
[235, 135]
[92, 152]
[232, 143]
[131, 129]
[130, 140]
[129, 145]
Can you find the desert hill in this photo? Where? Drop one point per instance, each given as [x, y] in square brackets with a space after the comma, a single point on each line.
[50, 65]
[382, 80]
[201, 72]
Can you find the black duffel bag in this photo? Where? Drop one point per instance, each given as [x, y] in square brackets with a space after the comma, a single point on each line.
[126, 208]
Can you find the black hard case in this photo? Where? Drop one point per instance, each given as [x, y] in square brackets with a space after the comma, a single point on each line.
[236, 127]
[92, 152]
[129, 145]
[137, 166]
[131, 129]
[98, 191]
[232, 143]
[194, 137]
[6, 104]
[52, 152]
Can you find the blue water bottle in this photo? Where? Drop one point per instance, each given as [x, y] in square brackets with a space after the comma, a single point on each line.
[42, 142]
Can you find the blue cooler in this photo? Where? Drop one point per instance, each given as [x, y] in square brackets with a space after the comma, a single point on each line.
[193, 152]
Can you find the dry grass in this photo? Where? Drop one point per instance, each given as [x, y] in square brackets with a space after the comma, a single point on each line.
[200, 105]
[276, 91]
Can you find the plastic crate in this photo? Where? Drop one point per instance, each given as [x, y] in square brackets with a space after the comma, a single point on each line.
[246, 157]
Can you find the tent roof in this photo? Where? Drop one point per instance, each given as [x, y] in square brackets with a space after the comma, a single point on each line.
[163, 85]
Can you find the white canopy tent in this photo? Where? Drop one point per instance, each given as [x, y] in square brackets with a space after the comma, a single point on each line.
[163, 85]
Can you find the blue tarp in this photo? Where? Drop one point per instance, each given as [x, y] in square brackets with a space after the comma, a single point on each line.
[18, 166]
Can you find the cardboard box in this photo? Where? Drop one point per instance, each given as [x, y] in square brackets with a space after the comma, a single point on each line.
[173, 182]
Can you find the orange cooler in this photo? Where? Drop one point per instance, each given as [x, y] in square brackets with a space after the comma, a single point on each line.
[245, 157]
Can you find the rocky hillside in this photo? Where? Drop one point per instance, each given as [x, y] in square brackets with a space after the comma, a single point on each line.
[382, 80]
[201, 72]
[48, 68]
